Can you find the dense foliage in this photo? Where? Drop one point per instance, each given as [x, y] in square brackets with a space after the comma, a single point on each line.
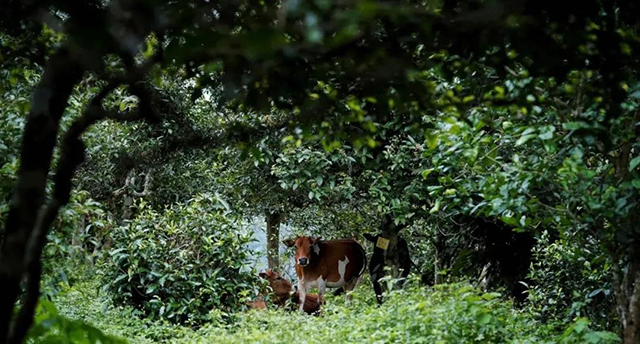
[568, 280]
[447, 314]
[501, 137]
[181, 264]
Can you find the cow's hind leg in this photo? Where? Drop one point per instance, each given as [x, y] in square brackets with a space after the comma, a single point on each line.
[348, 287]
[322, 286]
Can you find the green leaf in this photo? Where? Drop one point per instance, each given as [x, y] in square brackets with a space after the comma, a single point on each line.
[512, 221]
[436, 207]
[431, 139]
[575, 125]
[426, 173]
[524, 138]
[546, 132]
[310, 194]
[484, 319]
[633, 163]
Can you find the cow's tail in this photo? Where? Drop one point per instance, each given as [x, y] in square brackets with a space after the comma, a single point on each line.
[364, 260]
[415, 266]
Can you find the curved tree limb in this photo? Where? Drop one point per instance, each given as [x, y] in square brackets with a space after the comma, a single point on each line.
[72, 155]
[39, 139]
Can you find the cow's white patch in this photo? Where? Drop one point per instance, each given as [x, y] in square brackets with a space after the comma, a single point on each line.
[342, 268]
[316, 249]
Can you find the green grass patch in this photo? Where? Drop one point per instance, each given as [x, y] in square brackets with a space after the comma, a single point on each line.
[456, 313]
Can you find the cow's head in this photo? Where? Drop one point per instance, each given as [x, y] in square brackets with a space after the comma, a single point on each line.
[304, 246]
[371, 237]
[280, 286]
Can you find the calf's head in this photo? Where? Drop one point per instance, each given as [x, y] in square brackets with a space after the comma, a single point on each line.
[280, 286]
[304, 246]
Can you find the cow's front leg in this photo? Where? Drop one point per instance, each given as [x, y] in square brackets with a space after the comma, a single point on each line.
[322, 286]
[302, 294]
[377, 288]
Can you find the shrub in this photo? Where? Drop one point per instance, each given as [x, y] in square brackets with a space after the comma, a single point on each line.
[571, 279]
[74, 241]
[51, 327]
[443, 314]
[182, 263]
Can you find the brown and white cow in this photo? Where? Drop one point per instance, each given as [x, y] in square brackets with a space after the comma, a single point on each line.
[321, 264]
[284, 290]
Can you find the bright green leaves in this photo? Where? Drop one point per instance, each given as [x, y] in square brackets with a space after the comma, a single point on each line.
[304, 169]
[431, 138]
[497, 93]
[436, 206]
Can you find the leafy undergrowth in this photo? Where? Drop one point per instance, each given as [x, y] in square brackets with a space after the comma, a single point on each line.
[446, 314]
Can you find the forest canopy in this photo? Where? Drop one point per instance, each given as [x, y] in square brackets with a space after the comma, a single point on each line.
[139, 140]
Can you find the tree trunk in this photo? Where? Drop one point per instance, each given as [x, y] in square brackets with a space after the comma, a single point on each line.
[438, 258]
[41, 131]
[626, 281]
[483, 281]
[627, 291]
[273, 239]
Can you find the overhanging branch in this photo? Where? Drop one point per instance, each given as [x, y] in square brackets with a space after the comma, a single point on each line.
[72, 155]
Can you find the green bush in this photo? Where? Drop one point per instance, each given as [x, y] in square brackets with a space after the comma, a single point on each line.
[443, 314]
[181, 264]
[74, 242]
[51, 327]
[571, 279]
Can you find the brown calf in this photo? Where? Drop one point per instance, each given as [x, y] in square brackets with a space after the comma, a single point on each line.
[333, 264]
[257, 304]
[283, 291]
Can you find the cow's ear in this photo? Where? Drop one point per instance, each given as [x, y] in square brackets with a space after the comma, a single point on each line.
[370, 237]
[316, 240]
[263, 275]
[289, 242]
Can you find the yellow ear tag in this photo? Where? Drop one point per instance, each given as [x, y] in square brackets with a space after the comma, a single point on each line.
[382, 243]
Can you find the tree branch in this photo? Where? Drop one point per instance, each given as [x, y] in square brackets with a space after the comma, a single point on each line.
[40, 134]
[72, 155]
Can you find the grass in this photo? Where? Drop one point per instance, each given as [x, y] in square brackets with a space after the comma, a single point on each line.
[446, 314]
